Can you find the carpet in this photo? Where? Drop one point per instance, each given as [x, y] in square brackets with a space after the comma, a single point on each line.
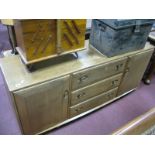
[4, 39]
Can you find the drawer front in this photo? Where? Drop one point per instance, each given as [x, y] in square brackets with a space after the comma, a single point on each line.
[95, 89]
[89, 76]
[93, 102]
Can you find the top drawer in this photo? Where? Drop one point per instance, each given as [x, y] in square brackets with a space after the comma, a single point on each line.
[89, 76]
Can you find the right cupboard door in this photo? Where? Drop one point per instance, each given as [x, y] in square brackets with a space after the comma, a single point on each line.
[134, 71]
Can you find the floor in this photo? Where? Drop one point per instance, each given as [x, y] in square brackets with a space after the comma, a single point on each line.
[4, 43]
[100, 122]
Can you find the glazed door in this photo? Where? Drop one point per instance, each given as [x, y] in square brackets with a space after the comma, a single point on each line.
[43, 106]
[135, 69]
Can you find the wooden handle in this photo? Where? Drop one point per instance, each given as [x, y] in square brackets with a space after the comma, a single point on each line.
[70, 31]
[59, 36]
[67, 39]
[81, 95]
[75, 26]
[114, 82]
[37, 49]
[83, 78]
[46, 44]
[118, 66]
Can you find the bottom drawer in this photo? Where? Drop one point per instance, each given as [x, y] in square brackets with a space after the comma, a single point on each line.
[93, 102]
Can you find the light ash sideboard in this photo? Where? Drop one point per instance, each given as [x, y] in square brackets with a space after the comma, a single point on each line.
[67, 88]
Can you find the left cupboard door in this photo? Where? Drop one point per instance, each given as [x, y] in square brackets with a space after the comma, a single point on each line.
[43, 106]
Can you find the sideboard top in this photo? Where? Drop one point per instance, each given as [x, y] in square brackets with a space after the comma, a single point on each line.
[17, 76]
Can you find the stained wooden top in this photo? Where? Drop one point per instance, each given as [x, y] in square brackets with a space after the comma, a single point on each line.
[17, 76]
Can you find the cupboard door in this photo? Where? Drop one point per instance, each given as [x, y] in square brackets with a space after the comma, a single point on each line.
[43, 106]
[134, 71]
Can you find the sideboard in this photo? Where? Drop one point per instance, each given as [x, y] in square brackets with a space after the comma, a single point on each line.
[66, 88]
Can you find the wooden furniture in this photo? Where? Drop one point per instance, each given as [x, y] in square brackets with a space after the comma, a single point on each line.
[151, 67]
[140, 125]
[9, 23]
[41, 39]
[67, 88]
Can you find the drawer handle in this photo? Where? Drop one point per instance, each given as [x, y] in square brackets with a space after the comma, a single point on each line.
[79, 96]
[83, 78]
[79, 109]
[114, 82]
[110, 96]
[118, 66]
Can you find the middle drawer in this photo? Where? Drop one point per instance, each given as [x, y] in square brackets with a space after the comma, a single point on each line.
[95, 89]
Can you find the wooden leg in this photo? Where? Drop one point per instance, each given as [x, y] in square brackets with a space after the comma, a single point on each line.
[30, 68]
[150, 72]
[12, 39]
[77, 56]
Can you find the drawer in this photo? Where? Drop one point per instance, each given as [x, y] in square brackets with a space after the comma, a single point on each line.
[89, 76]
[93, 102]
[95, 89]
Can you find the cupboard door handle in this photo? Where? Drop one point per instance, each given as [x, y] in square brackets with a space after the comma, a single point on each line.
[66, 94]
[83, 78]
[79, 96]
